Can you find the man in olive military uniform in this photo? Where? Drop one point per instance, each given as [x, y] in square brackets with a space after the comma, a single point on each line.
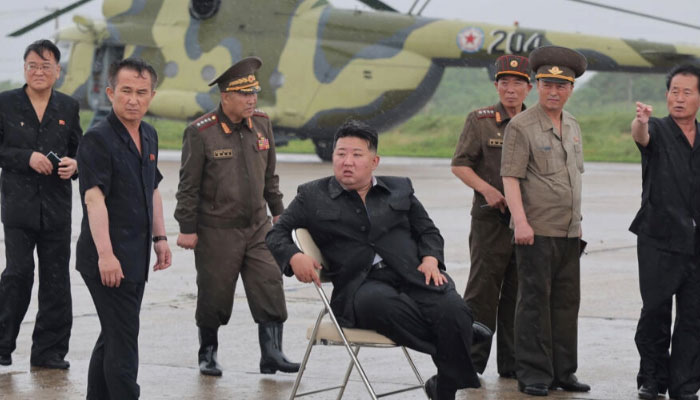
[541, 166]
[493, 282]
[227, 181]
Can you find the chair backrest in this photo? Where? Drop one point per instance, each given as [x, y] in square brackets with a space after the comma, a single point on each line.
[306, 244]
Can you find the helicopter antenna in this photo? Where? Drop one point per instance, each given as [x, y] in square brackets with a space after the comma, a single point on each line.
[623, 10]
[412, 7]
[423, 8]
[47, 18]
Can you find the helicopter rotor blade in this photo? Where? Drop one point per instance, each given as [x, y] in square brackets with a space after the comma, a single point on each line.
[378, 5]
[626, 11]
[47, 18]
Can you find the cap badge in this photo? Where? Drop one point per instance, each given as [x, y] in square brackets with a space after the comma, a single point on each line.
[514, 63]
[555, 70]
[251, 78]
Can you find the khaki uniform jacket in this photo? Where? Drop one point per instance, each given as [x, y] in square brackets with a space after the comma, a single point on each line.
[549, 167]
[479, 148]
[227, 175]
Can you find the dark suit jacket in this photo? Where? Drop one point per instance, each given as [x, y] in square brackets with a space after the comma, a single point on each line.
[109, 159]
[394, 225]
[31, 200]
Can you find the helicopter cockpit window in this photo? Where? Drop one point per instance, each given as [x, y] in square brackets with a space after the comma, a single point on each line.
[204, 9]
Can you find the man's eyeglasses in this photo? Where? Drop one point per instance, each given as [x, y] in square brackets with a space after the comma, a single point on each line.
[36, 67]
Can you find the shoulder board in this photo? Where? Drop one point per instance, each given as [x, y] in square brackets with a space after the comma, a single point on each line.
[205, 121]
[260, 113]
[486, 112]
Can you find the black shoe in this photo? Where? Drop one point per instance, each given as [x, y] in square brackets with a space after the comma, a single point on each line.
[5, 359]
[431, 388]
[480, 332]
[435, 391]
[648, 391]
[51, 363]
[508, 375]
[572, 385]
[272, 359]
[687, 396]
[535, 389]
[207, 361]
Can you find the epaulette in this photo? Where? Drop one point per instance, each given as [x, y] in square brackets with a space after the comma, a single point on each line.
[205, 121]
[486, 112]
[260, 113]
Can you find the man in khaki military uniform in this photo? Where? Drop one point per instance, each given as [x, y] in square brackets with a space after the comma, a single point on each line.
[493, 282]
[227, 181]
[541, 167]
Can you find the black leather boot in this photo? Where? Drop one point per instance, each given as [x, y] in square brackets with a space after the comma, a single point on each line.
[271, 357]
[208, 344]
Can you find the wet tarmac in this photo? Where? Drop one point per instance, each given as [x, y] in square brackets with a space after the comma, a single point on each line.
[168, 340]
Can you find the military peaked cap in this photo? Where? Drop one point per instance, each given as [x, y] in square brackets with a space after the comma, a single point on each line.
[513, 65]
[557, 64]
[240, 77]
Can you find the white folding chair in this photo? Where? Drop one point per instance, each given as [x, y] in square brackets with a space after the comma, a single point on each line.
[330, 333]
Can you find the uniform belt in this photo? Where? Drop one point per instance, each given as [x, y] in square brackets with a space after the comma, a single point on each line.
[379, 265]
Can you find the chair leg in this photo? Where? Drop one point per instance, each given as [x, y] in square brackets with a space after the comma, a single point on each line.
[347, 375]
[312, 342]
[413, 366]
[355, 361]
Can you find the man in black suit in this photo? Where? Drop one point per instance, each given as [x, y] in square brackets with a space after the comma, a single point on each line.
[122, 214]
[385, 259]
[36, 206]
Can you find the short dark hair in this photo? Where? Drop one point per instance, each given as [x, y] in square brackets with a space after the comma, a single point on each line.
[358, 129]
[42, 45]
[683, 69]
[134, 64]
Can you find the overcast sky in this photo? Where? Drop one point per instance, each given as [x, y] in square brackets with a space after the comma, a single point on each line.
[557, 15]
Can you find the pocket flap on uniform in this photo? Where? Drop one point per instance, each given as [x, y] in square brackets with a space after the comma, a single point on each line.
[328, 215]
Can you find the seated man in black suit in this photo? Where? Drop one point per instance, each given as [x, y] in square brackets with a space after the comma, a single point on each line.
[385, 259]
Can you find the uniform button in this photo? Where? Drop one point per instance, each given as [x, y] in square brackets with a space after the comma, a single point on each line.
[363, 228]
[371, 244]
[357, 210]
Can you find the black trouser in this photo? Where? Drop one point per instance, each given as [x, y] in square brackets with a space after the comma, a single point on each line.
[55, 317]
[662, 275]
[114, 363]
[546, 316]
[492, 290]
[437, 323]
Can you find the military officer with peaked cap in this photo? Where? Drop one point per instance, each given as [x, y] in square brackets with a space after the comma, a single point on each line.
[227, 182]
[493, 283]
[541, 166]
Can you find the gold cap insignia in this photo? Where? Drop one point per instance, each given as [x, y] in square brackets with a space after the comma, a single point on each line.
[555, 70]
[514, 63]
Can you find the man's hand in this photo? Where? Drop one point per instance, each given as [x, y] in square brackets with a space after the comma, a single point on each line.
[40, 163]
[643, 112]
[524, 234]
[164, 257]
[305, 268]
[495, 199]
[67, 168]
[110, 270]
[429, 268]
[275, 219]
[187, 240]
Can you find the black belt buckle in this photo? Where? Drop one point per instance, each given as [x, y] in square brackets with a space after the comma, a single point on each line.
[379, 265]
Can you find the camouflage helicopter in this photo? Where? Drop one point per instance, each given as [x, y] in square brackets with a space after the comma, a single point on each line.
[321, 64]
